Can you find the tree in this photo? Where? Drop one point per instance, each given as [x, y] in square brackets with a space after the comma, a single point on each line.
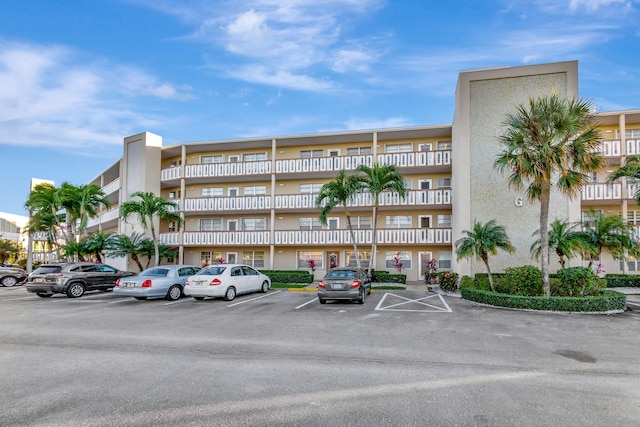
[146, 208]
[46, 210]
[376, 180]
[630, 169]
[9, 249]
[122, 246]
[482, 241]
[611, 233]
[564, 239]
[338, 192]
[98, 243]
[74, 250]
[550, 143]
[82, 203]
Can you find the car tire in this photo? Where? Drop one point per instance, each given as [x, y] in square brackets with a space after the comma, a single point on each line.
[140, 298]
[361, 296]
[174, 293]
[75, 290]
[322, 300]
[41, 295]
[199, 298]
[265, 287]
[9, 281]
[230, 294]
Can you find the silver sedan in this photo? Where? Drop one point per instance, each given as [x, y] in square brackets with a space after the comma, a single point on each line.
[165, 281]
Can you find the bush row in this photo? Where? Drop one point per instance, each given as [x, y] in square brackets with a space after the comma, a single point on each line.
[622, 281]
[608, 301]
[386, 277]
[288, 276]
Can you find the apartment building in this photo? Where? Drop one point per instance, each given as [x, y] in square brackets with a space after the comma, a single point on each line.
[253, 200]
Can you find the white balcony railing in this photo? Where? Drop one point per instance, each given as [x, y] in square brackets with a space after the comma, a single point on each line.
[211, 170]
[171, 173]
[307, 237]
[112, 187]
[226, 203]
[110, 215]
[601, 191]
[633, 146]
[322, 164]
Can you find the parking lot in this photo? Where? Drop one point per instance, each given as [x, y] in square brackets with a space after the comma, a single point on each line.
[281, 358]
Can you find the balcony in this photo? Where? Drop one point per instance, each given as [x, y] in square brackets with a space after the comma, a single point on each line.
[240, 203]
[434, 236]
[111, 187]
[110, 215]
[633, 146]
[601, 191]
[213, 170]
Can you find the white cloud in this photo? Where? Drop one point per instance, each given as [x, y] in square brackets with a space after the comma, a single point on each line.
[280, 78]
[595, 5]
[50, 96]
[363, 124]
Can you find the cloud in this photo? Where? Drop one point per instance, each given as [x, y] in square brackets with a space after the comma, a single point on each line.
[52, 96]
[363, 124]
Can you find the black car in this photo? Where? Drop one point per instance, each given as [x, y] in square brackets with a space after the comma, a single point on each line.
[344, 283]
[11, 276]
[73, 278]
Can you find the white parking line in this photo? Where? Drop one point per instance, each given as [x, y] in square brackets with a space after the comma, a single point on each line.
[253, 299]
[419, 302]
[178, 301]
[120, 299]
[315, 299]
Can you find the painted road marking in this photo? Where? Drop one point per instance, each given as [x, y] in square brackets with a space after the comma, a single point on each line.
[315, 299]
[418, 304]
[253, 299]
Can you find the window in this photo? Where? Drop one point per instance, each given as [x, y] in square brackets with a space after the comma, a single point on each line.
[444, 145]
[234, 159]
[173, 194]
[588, 220]
[629, 133]
[254, 224]
[211, 224]
[424, 184]
[424, 147]
[406, 147]
[252, 157]
[173, 226]
[232, 191]
[444, 260]
[592, 177]
[312, 223]
[358, 150]
[311, 153]
[633, 217]
[175, 163]
[361, 222]
[333, 223]
[253, 258]
[255, 190]
[407, 184]
[364, 258]
[208, 258]
[398, 221]
[444, 182]
[404, 257]
[334, 152]
[305, 256]
[425, 221]
[215, 158]
[310, 188]
[211, 192]
[444, 221]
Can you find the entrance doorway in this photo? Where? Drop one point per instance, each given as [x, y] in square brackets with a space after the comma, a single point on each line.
[333, 259]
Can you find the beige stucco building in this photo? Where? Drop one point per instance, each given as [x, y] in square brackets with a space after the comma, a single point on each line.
[252, 200]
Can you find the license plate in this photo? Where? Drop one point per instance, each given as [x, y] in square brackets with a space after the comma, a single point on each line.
[40, 280]
[338, 286]
[129, 285]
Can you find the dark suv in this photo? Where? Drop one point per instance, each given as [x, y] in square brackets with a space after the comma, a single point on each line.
[73, 278]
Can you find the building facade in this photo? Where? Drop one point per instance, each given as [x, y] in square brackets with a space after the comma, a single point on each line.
[253, 200]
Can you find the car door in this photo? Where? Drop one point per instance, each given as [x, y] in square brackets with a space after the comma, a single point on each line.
[252, 278]
[236, 279]
[90, 275]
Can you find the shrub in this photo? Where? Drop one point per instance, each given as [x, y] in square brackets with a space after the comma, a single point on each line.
[608, 301]
[467, 282]
[288, 276]
[448, 281]
[386, 277]
[622, 281]
[578, 281]
[525, 280]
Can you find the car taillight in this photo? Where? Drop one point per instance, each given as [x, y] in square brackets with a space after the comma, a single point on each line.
[146, 283]
[186, 283]
[118, 282]
[215, 282]
[355, 284]
[321, 284]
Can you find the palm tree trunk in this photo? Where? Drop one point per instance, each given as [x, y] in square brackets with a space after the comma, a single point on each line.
[485, 259]
[155, 241]
[372, 257]
[544, 237]
[353, 238]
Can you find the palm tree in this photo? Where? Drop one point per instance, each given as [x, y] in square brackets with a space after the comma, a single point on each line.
[82, 203]
[146, 208]
[483, 240]
[122, 246]
[630, 169]
[45, 205]
[563, 238]
[611, 233]
[376, 180]
[338, 192]
[74, 250]
[9, 249]
[551, 142]
[97, 243]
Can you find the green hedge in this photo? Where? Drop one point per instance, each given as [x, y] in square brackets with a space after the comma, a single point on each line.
[608, 301]
[386, 277]
[622, 281]
[289, 276]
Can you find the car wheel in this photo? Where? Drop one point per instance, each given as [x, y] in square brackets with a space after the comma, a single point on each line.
[322, 300]
[230, 294]
[174, 293]
[265, 287]
[9, 281]
[41, 295]
[75, 290]
[361, 296]
[199, 298]
[140, 298]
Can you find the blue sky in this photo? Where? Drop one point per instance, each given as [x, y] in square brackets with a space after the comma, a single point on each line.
[77, 76]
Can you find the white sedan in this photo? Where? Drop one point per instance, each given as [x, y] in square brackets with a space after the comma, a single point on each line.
[226, 281]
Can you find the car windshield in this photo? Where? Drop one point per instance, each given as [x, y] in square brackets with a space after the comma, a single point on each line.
[157, 272]
[341, 274]
[212, 271]
[48, 269]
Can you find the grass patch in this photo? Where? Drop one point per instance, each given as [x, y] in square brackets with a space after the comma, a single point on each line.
[288, 285]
